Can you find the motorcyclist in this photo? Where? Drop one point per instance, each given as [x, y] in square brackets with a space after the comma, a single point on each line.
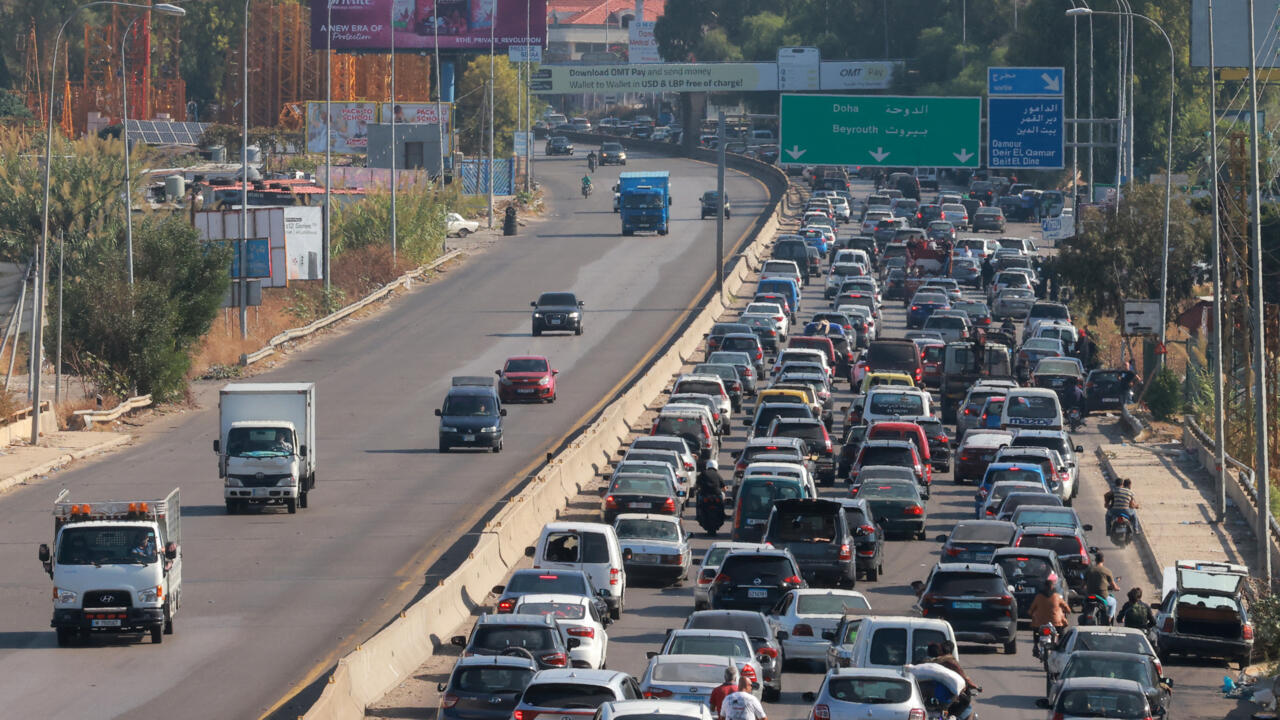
[943, 654]
[1135, 613]
[1008, 328]
[1121, 499]
[586, 184]
[1048, 608]
[1099, 582]
[591, 161]
[710, 489]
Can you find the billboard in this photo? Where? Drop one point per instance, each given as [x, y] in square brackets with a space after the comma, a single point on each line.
[362, 25]
[643, 47]
[856, 75]
[350, 134]
[665, 77]
[1231, 33]
[414, 113]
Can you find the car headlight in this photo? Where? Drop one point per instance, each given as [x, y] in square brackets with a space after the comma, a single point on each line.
[537, 315]
[575, 314]
[504, 381]
[150, 595]
[546, 380]
[62, 596]
[448, 428]
[287, 482]
[491, 428]
[233, 482]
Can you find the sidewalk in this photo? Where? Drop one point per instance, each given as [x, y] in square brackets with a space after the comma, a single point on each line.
[21, 463]
[1177, 513]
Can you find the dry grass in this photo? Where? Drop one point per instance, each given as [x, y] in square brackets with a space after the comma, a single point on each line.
[66, 411]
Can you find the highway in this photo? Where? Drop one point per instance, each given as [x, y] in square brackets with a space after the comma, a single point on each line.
[1011, 683]
[271, 600]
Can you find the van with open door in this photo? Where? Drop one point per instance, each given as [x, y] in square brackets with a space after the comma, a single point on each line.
[592, 548]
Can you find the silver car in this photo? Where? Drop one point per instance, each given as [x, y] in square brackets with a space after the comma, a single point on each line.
[689, 678]
[658, 545]
[870, 694]
[1012, 303]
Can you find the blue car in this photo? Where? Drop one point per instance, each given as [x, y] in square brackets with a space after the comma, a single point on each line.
[783, 286]
[1007, 471]
[816, 239]
[920, 311]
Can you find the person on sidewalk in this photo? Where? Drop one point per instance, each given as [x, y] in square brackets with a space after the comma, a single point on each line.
[724, 690]
[742, 705]
[1099, 581]
[1137, 614]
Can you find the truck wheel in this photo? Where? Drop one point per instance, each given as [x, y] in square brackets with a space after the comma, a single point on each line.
[66, 636]
[291, 504]
[157, 634]
[168, 620]
[536, 331]
[302, 499]
[232, 507]
[662, 231]
[873, 574]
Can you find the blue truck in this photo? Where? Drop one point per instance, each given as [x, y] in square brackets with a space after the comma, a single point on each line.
[644, 201]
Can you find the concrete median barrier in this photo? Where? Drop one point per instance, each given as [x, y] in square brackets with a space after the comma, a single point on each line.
[387, 658]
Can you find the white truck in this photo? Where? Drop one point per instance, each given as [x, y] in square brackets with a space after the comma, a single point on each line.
[116, 567]
[266, 444]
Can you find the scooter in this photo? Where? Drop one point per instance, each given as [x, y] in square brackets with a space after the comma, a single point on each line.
[1120, 529]
[1094, 612]
[1046, 636]
[710, 512]
[1074, 419]
[586, 191]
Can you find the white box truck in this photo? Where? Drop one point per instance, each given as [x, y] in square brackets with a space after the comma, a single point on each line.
[266, 444]
[116, 566]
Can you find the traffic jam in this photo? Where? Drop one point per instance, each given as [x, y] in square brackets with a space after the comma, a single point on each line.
[858, 501]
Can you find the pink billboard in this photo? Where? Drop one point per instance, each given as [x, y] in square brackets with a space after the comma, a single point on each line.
[364, 25]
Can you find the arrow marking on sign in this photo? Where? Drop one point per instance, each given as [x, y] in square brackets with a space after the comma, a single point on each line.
[879, 154]
[795, 152]
[1051, 83]
[963, 156]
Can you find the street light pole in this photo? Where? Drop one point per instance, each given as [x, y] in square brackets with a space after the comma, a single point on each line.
[128, 182]
[394, 149]
[37, 352]
[243, 266]
[493, 18]
[328, 146]
[1219, 419]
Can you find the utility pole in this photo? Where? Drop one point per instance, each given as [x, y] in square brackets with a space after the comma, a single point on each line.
[492, 23]
[328, 155]
[1261, 478]
[1217, 366]
[720, 133]
[394, 148]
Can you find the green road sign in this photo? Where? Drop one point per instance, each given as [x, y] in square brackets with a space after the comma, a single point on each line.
[879, 130]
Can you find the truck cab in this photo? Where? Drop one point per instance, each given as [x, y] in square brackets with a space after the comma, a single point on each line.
[116, 567]
[644, 201]
[266, 444]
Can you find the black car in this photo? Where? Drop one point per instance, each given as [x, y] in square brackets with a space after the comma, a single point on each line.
[896, 505]
[975, 599]
[939, 442]
[754, 580]
[1070, 545]
[868, 537]
[559, 145]
[611, 153]
[484, 687]
[471, 415]
[537, 634]
[1027, 569]
[854, 436]
[796, 251]
[814, 434]
[1107, 389]
[711, 202]
[557, 311]
[1142, 669]
[818, 536]
[988, 218]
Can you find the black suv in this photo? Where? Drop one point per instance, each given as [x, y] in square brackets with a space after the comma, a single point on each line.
[817, 534]
[975, 599]
[711, 202]
[559, 145]
[538, 634]
[485, 687]
[611, 153]
[471, 415]
[868, 537]
[754, 580]
[557, 311]
[795, 250]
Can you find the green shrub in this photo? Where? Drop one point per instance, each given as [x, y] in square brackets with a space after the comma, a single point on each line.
[1164, 398]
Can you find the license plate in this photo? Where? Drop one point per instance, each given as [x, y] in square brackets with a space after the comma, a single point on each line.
[966, 605]
[637, 505]
[468, 438]
[756, 594]
[555, 321]
[755, 521]
[644, 558]
[524, 391]
[106, 623]
[1057, 382]
[692, 698]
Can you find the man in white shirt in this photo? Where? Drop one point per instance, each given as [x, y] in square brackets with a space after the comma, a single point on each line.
[742, 705]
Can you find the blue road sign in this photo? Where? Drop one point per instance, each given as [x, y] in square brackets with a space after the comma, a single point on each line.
[1025, 133]
[1039, 81]
[259, 257]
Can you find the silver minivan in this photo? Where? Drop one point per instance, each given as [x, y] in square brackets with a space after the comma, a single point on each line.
[592, 548]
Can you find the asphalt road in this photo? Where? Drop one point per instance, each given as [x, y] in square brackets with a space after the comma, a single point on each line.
[269, 598]
[1011, 683]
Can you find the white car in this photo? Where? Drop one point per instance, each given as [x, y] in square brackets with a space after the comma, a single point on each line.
[775, 311]
[658, 545]
[783, 269]
[649, 709]
[802, 616]
[800, 355]
[577, 617]
[687, 678]
[710, 567]
[455, 224]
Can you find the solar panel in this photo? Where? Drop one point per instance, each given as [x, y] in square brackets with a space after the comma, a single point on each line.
[155, 132]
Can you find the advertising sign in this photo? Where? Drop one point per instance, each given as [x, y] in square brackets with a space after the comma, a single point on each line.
[856, 75]
[525, 53]
[267, 251]
[412, 113]
[259, 251]
[666, 77]
[881, 130]
[350, 135]
[520, 143]
[1025, 81]
[1025, 132]
[461, 24]
[643, 47]
[1231, 33]
[304, 236]
[798, 68]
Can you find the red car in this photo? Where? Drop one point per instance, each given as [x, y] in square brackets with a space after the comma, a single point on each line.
[526, 377]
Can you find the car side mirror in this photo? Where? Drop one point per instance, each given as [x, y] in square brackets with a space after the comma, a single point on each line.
[171, 551]
[1093, 549]
[1042, 703]
[604, 593]
[441, 686]
[941, 538]
[680, 493]
[502, 412]
[498, 373]
[437, 412]
[1079, 448]
[626, 555]
[497, 589]
[735, 454]
[302, 451]
[809, 696]
[43, 553]
[917, 587]
[783, 635]
[651, 654]
[1167, 681]
[572, 643]
[530, 551]
[1087, 527]
[458, 640]
[533, 304]
[217, 446]
[828, 634]
[555, 372]
[582, 303]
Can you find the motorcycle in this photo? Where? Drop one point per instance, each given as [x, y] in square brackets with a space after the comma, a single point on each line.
[591, 164]
[586, 191]
[710, 512]
[1074, 419]
[1045, 637]
[1120, 528]
[1094, 612]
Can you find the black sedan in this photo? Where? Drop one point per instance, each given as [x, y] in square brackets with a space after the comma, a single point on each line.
[868, 537]
[559, 145]
[557, 311]
[611, 153]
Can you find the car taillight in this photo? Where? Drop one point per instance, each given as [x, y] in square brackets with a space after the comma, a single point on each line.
[1004, 601]
[669, 505]
[448, 700]
[1056, 716]
[613, 575]
[916, 714]
[793, 580]
[768, 652]
[658, 693]
[610, 503]
[821, 712]
[967, 411]
[802, 630]
[749, 672]
[1246, 632]
[952, 551]
[524, 715]
[722, 579]
[915, 307]
[506, 606]
[555, 659]
[582, 632]
[689, 466]
[913, 510]
[845, 552]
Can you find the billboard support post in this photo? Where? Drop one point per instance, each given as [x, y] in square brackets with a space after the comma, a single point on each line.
[328, 145]
[491, 84]
[394, 149]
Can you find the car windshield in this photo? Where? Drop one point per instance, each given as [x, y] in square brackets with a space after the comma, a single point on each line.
[709, 645]
[259, 442]
[1101, 703]
[1064, 545]
[527, 583]
[1019, 568]
[802, 527]
[869, 691]
[829, 604]
[558, 610]
[572, 547]
[491, 680]
[758, 498]
[526, 365]
[1065, 517]
[883, 403]
[610, 147]
[687, 672]
[107, 546]
[1043, 344]
[1112, 642]
[1109, 667]
[1022, 474]
[567, 696]
[642, 201]
[640, 529]
[887, 455]
[698, 387]
[1032, 406]
[501, 637]
[887, 491]
[473, 405]
[554, 299]
[982, 532]
[633, 485]
[966, 583]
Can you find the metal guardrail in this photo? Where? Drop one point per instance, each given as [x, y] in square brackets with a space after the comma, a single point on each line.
[89, 417]
[1244, 474]
[295, 333]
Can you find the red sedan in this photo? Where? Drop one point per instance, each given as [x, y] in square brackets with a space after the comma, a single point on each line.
[527, 377]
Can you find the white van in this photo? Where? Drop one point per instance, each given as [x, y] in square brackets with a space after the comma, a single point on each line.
[893, 641]
[1031, 409]
[592, 548]
[795, 471]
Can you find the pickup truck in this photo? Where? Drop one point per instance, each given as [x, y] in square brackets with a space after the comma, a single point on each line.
[815, 532]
